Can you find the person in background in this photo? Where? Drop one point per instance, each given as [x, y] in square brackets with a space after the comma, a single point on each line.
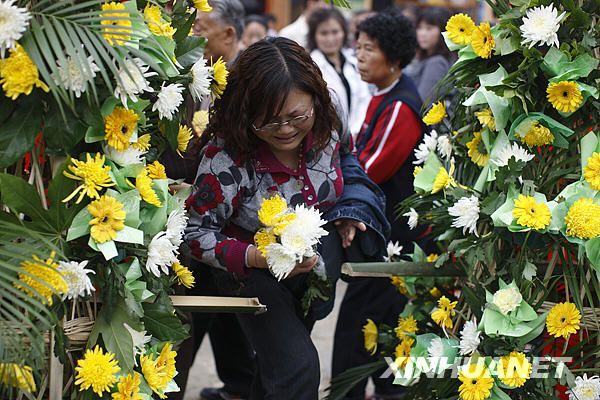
[298, 30]
[255, 29]
[276, 130]
[272, 24]
[357, 17]
[232, 354]
[385, 146]
[433, 59]
[327, 38]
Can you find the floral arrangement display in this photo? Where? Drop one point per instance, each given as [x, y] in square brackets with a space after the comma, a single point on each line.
[507, 179]
[290, 236]
[92, 94]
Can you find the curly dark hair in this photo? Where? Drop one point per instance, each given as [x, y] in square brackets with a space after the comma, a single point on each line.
[394, 33]
[258, 85]
[322, 15]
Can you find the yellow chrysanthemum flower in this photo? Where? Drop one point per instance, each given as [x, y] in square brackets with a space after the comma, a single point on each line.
[108, 218]
[263, 238]
[17, 376]
[406, 325]
[156, 25]
[400, 284]
[530, 213]
[537, 135]
[436, 114]
[202, 5]
[119, 126]
[97, 370]
[199, 122]
[402, 352]
[443, 314]
[432, 257]
[183, 139]
[184, 275]
[159, 372]
[220, 74]
[143, 183]
[477, 382]
[156, 170]
[143, 142]
[482, 40]
[128, 387]
[477, 151]
[459, 28]
[591, 172]
[271, 210]
[435, 292]
[18, 74]
[563, 320]
[443, 180]
[514, 369]
[93, 174]
[417, 170]
[370, 334]
[282, 222]
[42, 278]
[565, 96]
[116, 23]
[486, 118]
[583, 219]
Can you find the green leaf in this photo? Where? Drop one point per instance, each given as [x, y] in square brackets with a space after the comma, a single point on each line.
[190, 50]
[18, 132]
[160, 320]
[115, 336]
[21, 197]
[60, 187]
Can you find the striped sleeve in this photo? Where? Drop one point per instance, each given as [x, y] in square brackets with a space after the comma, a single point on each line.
[394, 138]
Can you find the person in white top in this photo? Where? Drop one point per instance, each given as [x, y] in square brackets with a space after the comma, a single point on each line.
[298, 30]
[327, 36]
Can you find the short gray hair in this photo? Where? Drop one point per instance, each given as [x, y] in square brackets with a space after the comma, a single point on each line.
[230, 12]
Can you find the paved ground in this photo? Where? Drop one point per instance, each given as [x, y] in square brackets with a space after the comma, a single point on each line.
[203, 373]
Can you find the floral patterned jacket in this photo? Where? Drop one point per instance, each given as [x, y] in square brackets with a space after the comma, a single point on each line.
[227, 195]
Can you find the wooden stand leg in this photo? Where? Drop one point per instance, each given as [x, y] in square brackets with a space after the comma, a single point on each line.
[56, 373]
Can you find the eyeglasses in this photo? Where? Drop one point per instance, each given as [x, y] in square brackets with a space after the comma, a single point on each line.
[274, 127]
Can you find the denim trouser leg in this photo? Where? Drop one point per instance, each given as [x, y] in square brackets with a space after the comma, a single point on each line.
[287, 361]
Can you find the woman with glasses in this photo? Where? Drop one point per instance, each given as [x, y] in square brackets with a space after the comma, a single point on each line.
[275, 130]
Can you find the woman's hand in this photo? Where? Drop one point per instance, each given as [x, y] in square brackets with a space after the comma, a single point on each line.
[257, 260]
[305, 266]
[347, 230]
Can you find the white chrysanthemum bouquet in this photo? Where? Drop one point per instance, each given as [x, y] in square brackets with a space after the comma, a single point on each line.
[289, 234]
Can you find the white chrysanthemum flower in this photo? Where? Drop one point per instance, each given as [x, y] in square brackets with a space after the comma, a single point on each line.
[428, 145]
[436, 348]
[161, 254]
[466, 213]
[585, 388]
[176, 223]
[444, 146]
[76, 276]
[393, 249]
[508, 152]
[139, 340]
[129, 85]
[169, 100]
[73, 77]
[541, 25]
[413, 218]
[201, 78]
[469, 338]
[129, 156]
[303, 232]
[13, 23]
[281, 260]
[507, 299]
